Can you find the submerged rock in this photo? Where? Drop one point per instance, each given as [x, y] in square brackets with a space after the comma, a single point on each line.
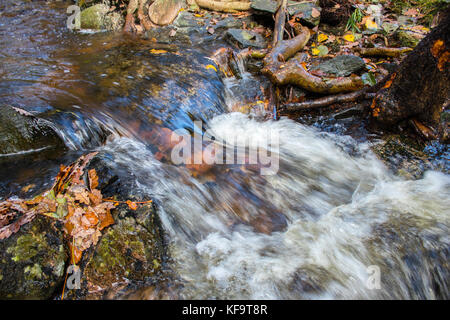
[99, 17]
[22, 132]
[32, 261]
[245, 38]
[341, 66]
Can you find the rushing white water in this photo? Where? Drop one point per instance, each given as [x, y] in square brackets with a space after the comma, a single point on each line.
[345, 214]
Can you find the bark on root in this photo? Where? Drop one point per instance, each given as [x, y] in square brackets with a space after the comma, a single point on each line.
[382, 51]
[327, 101]
[224, 5]
[294, 73]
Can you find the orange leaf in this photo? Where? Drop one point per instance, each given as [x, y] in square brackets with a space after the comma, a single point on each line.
[75, 254]
[93, 179]
[106, 220]
[132, 205]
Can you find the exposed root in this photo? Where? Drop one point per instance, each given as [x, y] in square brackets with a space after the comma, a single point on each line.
[280, 21]
[294, 73]
[382, 51]
[286, 49]
[224, 5]
[327, 101]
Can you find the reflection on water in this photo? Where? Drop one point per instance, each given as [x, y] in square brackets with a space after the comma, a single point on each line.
[310, 231]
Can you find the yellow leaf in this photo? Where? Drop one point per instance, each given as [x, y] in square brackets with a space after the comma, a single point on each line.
[315, 51]
[349, 37]
[371, 24]
[157, 51]
[322, 37]
[210, 66]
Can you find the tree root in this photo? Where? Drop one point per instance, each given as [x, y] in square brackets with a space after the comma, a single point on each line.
[382, 51]
[327, 101]
[280, 21]
[224, 5]
[286, 49]
[293, 72]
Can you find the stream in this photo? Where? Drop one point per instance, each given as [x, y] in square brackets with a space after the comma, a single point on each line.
[329, 220]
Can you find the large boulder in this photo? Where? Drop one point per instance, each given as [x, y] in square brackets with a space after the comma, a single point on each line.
[21, 132]
[99, 17]
[32, 261]
[131, 253]
[163, 12]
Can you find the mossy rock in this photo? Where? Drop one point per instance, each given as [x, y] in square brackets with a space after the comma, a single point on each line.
[131, 249]
[25, 133]
[98, 17]
[32, 261]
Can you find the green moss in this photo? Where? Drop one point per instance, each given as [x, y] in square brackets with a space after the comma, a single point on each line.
[429, 8]
[34, 272]
[27, 246]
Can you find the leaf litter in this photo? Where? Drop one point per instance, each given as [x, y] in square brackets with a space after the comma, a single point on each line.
[74, 200]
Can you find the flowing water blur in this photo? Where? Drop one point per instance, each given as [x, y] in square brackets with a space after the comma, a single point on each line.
[316, 229]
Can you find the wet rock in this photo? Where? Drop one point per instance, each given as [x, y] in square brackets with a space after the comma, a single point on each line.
[99, 17]
[341, 66]
[21, 132]
[163, 12]
[402, 156]
[32, 261]
[185, 19]
[168, 34]
[245, 38]
[310, 13]
[132, 252]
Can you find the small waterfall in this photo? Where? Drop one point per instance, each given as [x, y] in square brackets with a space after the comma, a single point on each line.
[346, 217]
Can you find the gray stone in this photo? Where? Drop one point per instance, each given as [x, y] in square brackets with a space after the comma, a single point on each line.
[294, 8]
[21, 132]
[341, 66]
[245, 38]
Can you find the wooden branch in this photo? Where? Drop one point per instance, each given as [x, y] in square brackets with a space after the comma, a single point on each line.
[286, 49]
[280, 21]
[224, 6]
[382, 51]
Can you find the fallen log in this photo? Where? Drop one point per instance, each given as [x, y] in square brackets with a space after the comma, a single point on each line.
[294, 73]
[224, 5]
[382, 51]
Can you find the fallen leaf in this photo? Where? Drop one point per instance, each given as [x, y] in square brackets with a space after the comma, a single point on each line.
[371, 24]
[132, 205]
[158, 51]
[210, 66]
[349, 37]
[322, 37]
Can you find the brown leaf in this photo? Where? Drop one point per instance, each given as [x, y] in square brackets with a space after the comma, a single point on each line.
[93, 179]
